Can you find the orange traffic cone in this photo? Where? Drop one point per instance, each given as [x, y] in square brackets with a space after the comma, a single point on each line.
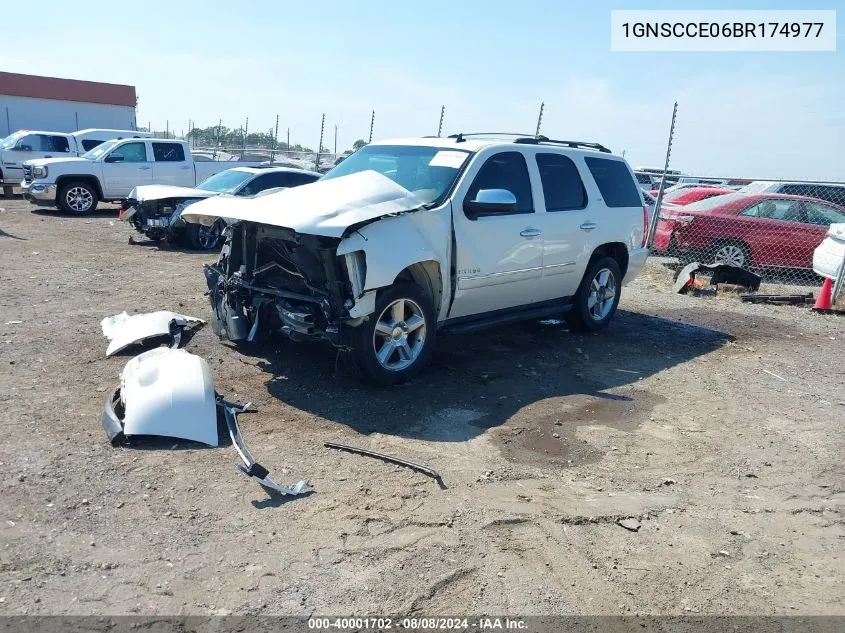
[823, 300]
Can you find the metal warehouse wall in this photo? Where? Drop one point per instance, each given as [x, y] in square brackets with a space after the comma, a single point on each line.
[18, 113]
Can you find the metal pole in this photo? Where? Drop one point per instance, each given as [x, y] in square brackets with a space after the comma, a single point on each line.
[440, 125]
[335, 141]
[8, 124]
[167, 128]
[320, 145]
[76, 114]
[837, 285]
[540, 119]
[653, 225]
[275, 139]
[246, 131]
[217, 144]
[288, 148]
[372, 122]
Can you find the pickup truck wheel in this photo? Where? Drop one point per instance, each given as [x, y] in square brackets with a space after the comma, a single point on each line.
[77, 198]
[204, 238]
[597, 297]
[394, 344]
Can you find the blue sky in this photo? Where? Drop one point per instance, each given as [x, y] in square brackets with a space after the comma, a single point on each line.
[490, 63]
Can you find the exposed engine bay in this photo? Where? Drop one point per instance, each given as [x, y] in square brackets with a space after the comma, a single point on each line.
[157, 219]
[272, 279]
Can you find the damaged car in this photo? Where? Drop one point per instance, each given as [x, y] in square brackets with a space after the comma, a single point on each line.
[155, 210]
[409, 239]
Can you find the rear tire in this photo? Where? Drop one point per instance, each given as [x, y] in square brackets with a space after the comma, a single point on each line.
[393, 345]
[597, 297]
[204, 238]
[77, 198]
[731, 252]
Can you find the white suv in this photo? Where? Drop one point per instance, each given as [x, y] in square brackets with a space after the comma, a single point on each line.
[408, 239]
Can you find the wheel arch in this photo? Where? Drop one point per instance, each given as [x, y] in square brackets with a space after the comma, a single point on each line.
[616, 250]
[426, 275]
[88, 179]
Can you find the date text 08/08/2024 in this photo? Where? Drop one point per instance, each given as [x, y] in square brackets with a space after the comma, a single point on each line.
[418, 624]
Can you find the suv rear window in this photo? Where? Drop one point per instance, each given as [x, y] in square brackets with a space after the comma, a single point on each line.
[562, 186]
[614, 181]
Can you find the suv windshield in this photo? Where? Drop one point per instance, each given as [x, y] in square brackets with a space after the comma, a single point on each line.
[9, 141]
[98, 151]
[428, 172]
[225, 181]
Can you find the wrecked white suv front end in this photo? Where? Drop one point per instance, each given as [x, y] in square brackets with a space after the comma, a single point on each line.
[307, 261]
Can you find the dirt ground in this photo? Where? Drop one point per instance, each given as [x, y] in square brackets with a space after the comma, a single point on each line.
[716, 425]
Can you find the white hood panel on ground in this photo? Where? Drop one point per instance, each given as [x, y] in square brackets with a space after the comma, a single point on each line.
[145, 193]
[123, 330]
[325, 207]
[169, 392]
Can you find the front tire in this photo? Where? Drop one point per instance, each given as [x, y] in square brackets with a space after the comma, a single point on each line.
[77, 198]
[393, 345]
[204, 238]
[597, 297]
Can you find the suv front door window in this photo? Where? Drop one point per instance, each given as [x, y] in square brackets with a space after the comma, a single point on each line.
[501, 255]
[124, 168]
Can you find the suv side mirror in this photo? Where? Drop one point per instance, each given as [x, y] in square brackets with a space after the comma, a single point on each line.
[490, 202]
[114, 157]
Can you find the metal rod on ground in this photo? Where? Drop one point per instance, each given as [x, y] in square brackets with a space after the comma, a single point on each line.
[320, 145]
[540, 119]
[372, 122]
[653, 224]
[425, 470]
[440, 125]
[275, 139]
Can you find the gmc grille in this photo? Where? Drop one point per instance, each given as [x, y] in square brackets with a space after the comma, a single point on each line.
[27, 172]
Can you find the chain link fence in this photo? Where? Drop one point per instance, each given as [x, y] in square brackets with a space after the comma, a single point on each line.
[791, 233]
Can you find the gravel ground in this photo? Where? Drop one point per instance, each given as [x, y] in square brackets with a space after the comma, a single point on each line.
[715, 426]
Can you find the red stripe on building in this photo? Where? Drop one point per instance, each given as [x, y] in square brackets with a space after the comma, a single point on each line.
[15, 85]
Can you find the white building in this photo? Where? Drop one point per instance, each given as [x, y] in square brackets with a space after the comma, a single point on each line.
[29, 102]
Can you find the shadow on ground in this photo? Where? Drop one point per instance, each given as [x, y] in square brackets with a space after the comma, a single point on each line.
[480, 381]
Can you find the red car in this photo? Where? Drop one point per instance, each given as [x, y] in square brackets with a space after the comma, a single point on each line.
[745, 230]
[688, 196]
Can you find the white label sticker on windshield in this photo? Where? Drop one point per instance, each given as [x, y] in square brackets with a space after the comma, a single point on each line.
[448, 159]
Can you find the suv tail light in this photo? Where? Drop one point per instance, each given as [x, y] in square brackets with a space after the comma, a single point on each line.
[645, 226]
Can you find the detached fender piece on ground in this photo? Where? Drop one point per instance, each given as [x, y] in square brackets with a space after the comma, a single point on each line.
[170, 393]
[719, 274]
[165, 392]
[123, 330]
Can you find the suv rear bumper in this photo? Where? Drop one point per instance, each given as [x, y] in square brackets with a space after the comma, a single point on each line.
[636, 261]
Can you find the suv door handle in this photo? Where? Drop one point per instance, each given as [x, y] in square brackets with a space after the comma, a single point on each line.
[185, 167]
[48, 156]
[145, 168]
[530, 232]
[589, 226]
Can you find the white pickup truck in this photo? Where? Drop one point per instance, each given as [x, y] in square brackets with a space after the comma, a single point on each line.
[26, 145]
[110, 171]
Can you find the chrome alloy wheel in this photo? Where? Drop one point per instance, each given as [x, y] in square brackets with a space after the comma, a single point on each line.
[730, 254]
[399, 335]
[79, 199]
[602, 294]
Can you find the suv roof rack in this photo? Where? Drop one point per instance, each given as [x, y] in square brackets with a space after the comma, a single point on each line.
[532, 139]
